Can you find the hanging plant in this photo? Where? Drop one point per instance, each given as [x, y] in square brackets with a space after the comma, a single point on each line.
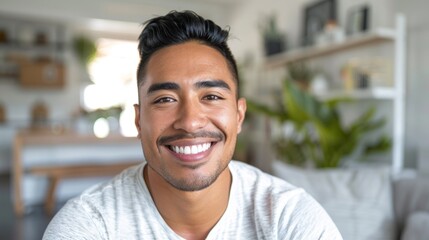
[85, 49]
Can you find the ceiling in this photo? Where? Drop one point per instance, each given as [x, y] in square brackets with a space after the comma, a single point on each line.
[114, 16]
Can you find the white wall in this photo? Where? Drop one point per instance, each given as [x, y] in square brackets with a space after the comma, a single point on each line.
[417, 104]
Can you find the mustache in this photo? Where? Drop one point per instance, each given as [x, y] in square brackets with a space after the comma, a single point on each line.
[202, 134]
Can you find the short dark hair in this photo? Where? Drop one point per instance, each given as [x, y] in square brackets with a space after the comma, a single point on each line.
[179, 27]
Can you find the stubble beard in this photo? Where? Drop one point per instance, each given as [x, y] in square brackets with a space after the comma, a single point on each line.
[192, 183]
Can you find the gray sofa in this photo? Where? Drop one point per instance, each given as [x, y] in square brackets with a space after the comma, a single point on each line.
[411, 206]
[367, 203]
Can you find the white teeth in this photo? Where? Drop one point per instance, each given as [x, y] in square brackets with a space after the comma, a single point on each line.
[187, 150]
[193, 149]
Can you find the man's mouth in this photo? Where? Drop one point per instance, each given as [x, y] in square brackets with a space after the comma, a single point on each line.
[191, 146]
[191, 149]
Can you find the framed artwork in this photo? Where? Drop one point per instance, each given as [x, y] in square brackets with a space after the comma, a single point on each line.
[358, 20]
[316, 15]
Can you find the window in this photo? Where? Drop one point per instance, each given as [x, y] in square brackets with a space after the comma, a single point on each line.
[113, 76]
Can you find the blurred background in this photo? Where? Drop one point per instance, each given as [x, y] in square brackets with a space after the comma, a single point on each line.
[335, 88]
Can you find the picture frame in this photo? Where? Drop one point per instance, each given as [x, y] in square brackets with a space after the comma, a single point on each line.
[358, 20]
[316, 15]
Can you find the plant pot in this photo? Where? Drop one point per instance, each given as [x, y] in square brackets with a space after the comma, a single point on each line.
[273, 46]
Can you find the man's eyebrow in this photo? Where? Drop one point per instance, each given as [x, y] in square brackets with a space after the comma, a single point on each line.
[212, 84]
[163, 86]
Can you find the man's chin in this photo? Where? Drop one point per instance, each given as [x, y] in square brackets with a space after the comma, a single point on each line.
[192, 185]
[194, 178]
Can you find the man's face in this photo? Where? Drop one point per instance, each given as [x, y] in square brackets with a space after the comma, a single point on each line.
[189, 116]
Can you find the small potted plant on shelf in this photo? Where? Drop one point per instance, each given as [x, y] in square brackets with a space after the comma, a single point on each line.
[301, 74]
[274, 40]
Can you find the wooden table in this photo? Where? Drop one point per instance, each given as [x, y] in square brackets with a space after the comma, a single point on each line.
[32, 138]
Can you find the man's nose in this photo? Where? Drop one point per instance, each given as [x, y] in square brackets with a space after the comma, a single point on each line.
[191, 116]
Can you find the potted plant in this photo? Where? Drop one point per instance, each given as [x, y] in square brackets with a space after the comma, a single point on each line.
[319, 137]
[301, 74]
[273, 38]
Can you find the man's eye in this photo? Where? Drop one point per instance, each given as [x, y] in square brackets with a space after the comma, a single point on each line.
[164, 100]
[212, 97]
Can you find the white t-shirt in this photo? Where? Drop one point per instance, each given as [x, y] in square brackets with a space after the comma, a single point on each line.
[260, 207]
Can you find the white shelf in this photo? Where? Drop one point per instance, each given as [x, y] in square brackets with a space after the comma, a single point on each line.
[379, 93]
[380, 35]
[396, 93]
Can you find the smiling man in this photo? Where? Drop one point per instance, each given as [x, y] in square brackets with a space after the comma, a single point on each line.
[188, 118]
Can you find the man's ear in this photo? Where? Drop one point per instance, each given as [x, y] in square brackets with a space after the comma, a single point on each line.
[241, 113]
[137, 118]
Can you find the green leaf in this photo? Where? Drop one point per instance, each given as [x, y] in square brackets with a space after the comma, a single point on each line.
[85, 49]
[279, 115]
[381, 145]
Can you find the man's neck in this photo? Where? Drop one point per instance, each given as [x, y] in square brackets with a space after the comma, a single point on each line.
[191, 214]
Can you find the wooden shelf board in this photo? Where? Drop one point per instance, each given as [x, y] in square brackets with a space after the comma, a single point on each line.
[42, 137]
[281, 59]
[381, 93]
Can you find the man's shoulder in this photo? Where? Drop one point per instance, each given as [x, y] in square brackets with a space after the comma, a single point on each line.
[276, 204]
[251, 181]
[105, 208]
[248, 174]
[119, 186]
[106, 201]
[268, 191]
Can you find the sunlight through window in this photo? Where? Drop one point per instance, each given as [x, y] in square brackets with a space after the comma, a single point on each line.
[113, 73]
[101, 128]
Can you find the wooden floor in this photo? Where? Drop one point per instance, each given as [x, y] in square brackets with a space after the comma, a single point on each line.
[29, 227]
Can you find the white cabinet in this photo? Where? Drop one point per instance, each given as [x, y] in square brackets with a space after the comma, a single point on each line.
[394, 93]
